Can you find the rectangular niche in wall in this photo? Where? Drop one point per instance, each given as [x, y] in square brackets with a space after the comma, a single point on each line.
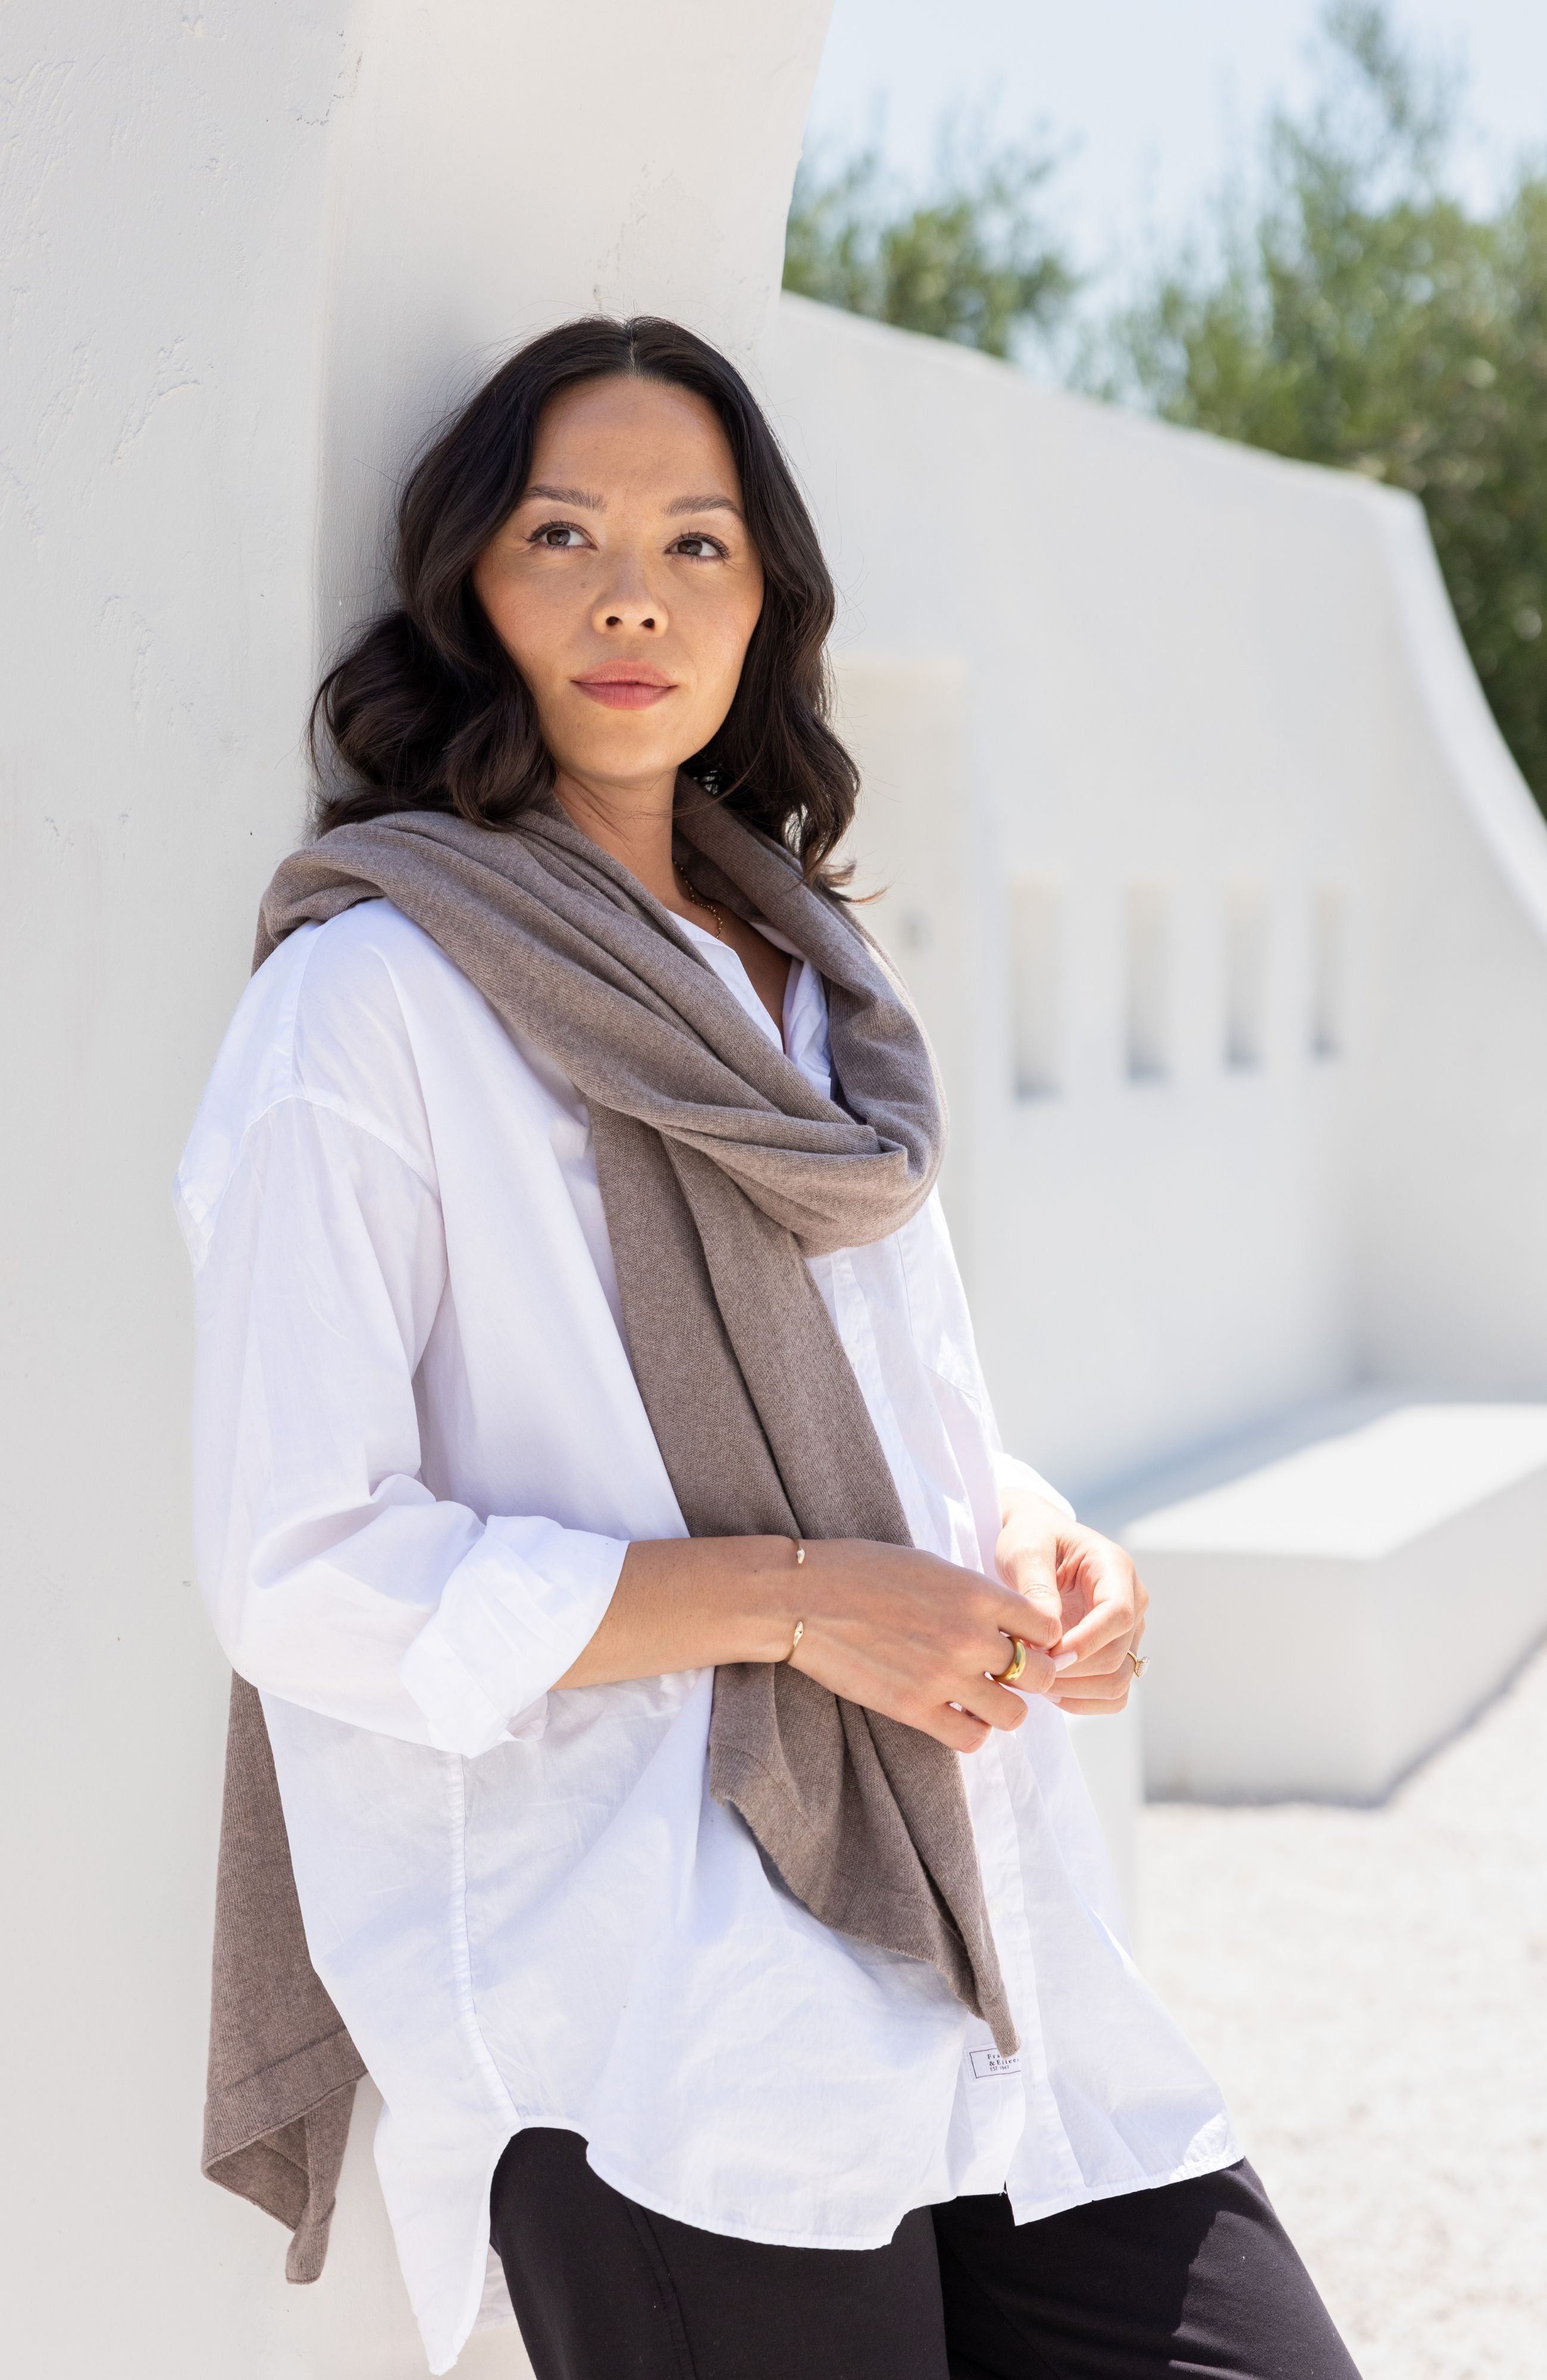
[1036, 976]
[1147, 964]
[1329, 961]
[1245, 971]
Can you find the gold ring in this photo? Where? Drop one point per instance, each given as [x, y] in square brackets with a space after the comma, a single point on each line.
[1140, 1661]
[1007, 1675]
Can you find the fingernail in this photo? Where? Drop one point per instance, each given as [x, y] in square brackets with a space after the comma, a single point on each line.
[1065, 1661]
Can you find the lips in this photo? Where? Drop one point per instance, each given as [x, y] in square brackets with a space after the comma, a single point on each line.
[626, 685]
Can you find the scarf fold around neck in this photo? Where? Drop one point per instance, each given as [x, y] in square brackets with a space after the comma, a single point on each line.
[721, 1169]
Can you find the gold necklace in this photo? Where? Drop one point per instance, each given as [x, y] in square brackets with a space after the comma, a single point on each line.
[701, 901]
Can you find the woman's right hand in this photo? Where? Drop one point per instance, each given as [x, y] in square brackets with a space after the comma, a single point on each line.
[906, 1633]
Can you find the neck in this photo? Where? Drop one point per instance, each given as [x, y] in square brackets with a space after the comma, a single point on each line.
[632, 823]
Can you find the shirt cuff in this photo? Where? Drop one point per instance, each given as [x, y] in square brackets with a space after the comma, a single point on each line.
[514, 1614]
[1010, 1472]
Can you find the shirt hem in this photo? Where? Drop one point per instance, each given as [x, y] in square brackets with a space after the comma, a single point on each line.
[1190, 2168]
[443, 2352]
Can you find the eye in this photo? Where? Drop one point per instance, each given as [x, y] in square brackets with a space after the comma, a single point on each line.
[696, 547]
[558, 537]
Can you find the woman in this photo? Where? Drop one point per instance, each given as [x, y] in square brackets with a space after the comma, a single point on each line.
[596, 1480]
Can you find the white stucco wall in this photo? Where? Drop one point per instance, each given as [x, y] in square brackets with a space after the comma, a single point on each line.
[247, 252]
[1174, 663]
[502, 166]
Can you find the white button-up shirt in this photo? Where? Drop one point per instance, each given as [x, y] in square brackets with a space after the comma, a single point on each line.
[420, 1456]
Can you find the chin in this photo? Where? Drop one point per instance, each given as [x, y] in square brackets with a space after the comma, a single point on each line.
[623, 755]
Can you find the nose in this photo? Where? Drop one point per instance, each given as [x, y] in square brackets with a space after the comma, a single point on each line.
[628, 602]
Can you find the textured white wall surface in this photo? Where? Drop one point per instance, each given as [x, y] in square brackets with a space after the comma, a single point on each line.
[248, 254]
[503, 165]
[1196, 719]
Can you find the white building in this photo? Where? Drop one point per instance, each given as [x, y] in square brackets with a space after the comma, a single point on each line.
[1226, 906]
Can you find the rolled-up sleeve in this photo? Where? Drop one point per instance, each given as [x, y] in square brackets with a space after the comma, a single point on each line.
[333, 1576]
[524, 1601]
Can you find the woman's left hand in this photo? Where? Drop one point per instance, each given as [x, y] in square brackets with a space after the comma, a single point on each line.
[1087, 1602]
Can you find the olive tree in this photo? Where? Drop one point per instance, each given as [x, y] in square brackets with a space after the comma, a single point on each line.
[1359, 314]
[968, 259]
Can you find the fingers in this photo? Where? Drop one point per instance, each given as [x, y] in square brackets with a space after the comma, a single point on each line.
[1003, 1706]
[1105, 1580]
[1103, 1691]
[1026, 1558]
[1111, 1624]
[991, 1623]
[959, 1729]
[973, 1688]
[969, 1689]
[1038, 1671]
[995, 1616]
[1072, 1671]
[1096, 1681]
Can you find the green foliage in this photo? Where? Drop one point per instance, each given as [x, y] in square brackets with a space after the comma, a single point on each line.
[1360, 316]
[970, 262]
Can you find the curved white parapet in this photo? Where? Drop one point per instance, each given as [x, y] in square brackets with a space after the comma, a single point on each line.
[1455, 708]
[1448, 1162]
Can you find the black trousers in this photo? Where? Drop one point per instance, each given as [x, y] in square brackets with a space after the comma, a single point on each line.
[1199, 2277]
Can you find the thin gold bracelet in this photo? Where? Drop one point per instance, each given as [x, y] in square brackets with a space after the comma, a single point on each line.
[799, 1626]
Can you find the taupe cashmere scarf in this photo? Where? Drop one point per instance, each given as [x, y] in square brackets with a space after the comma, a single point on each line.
[721, 1169]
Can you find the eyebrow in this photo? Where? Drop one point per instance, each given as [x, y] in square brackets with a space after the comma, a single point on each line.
[704, 504]
[584, 501]
[576, 496]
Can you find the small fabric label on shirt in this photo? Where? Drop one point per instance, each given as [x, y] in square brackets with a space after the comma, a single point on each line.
[987, 2063]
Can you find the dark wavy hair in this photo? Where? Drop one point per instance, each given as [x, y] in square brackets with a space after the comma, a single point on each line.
[426, 709]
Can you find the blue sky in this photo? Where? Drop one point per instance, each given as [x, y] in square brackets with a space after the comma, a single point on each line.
[1157, 98]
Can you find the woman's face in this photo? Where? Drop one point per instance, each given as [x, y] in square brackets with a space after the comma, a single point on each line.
[625, 586]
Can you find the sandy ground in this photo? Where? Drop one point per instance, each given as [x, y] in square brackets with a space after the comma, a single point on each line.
[1370, 1988]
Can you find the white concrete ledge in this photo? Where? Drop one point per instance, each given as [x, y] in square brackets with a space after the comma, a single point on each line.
[1333, 1602]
